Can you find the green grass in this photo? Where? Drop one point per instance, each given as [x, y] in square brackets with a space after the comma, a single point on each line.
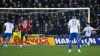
[50, 51]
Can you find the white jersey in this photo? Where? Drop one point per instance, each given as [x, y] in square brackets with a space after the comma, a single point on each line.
[9, 27]
[74, 23]
[88, 31]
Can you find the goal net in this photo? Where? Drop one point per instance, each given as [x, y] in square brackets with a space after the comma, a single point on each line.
[48, 21]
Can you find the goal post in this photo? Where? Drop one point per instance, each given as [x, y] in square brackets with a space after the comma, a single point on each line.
[83, 13]
[50, 9]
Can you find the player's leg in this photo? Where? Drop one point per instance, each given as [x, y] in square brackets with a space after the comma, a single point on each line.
[78, 41]
[8, 39]
[70, 41]
[88, 40]
[14, 36]
[70, 45]
[26, 38]
[83, 38]
[15, 42]
[4, 36]
[16, 39]
[21, 41]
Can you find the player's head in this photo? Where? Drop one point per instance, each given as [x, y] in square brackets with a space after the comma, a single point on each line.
[9, 20]
[21, 18]
[87, 24]
[16, 30]
[73, 16]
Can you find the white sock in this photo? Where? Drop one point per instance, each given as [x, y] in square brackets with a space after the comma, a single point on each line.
[2, 42]
[24, 44]
[88, 42]
[78, 49]
[69, 49]
[6, 45]
[80, 45]
[21, 45]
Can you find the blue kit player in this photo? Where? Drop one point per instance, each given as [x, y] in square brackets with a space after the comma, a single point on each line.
[88, 31]
[74, 27]
[8, 26]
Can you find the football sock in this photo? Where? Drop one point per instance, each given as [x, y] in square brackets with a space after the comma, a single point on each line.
[70, 45]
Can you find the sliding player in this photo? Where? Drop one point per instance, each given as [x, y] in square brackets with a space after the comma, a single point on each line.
[74, 27]
[8, 26]
[88, 31]
[24, 27]
[16, 35]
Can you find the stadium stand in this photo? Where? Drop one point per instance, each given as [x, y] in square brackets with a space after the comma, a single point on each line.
[50, 24]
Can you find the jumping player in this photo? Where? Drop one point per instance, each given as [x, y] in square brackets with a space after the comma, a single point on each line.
[8, 26]
[74, 27]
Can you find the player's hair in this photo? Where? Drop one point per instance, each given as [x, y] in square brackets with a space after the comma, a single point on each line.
[9, 20]
[88, 23]
[73, 16]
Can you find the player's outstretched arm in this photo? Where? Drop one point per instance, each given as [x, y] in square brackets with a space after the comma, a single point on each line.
[84, 30]
[4, 27]
[68, 27]
[79, 29]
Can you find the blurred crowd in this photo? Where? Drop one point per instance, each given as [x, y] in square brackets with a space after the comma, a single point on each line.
[52, 24]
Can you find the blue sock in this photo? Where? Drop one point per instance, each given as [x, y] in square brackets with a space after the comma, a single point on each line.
[78, 44]
[87, 40]
[70, 45]
[7, 42]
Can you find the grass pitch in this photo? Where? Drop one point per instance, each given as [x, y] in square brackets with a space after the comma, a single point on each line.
[49, 51]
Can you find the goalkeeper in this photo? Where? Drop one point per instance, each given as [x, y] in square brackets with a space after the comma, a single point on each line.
[16, 35]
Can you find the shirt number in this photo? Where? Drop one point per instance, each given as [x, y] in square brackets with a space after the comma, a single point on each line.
[73, 23]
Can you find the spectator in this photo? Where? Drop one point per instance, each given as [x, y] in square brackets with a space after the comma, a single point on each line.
[46, 29]
[98, 30]
[1, 27]
[37, 28]
[98, 22]
[10, 3]
[58, 19]
[2, 3]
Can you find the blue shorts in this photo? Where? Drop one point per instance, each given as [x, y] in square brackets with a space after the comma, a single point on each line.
[85, 37]
[24, 34]
[7, 35]
[74, 35]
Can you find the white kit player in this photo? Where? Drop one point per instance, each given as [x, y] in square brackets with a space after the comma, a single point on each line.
[74, 27]
[88, 31]
[8, 26]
